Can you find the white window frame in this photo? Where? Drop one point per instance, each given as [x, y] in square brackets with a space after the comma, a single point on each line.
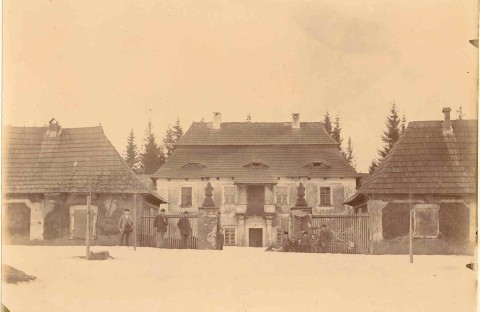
[288, 194]
[320, 196]
[234, 234]
[193, 196]
[432, 210]
[225, 197]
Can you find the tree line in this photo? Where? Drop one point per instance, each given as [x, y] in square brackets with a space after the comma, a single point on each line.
[153, 154]
[335, 130]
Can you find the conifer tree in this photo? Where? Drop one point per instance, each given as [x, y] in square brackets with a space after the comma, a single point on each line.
[169, 141]
[177, 130]
[131, 153]
[349, 154]
[328, 123]
[390, 136]
[460, 114]
[152, 156]
[337, 134]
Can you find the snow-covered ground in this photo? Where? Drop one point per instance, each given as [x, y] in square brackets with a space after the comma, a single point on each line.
[237, 279]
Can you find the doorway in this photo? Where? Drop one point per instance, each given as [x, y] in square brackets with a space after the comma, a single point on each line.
[255, 237]
[255, 199]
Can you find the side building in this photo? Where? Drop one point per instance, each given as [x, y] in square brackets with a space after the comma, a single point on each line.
[431, 170]
[48, 173]
[255, 169]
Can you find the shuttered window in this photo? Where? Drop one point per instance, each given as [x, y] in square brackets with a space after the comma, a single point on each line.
[325, 198]
[279, 236]
[229, 195]
[187, 192]
[282, 195]
[229, 236]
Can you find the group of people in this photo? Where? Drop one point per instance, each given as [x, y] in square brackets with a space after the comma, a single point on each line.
[125, 226]
[315, 243]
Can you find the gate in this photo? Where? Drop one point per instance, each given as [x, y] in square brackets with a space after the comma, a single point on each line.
[350, 232]
[172, 237]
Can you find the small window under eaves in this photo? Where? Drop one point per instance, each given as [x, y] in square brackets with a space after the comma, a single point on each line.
[256, 164]
[317, 165]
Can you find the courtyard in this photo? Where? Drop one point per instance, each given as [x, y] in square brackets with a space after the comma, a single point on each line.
[237, 279]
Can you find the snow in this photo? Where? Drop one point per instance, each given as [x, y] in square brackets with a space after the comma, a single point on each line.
[237, 279]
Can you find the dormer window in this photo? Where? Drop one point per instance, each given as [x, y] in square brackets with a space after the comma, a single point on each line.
[256, 165]
[317, 165]
[194, 166]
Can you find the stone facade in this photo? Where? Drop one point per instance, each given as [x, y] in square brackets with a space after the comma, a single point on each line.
[276, 207]
[62, 218]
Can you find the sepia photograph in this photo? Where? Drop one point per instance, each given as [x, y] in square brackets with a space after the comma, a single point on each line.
[213, 156]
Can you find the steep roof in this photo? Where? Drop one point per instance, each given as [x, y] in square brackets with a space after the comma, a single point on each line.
[77, 160]
[427, 160]
[256, 133]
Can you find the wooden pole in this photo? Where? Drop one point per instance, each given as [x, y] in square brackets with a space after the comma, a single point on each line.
[87, 236]
[411, 233]
[135, 221]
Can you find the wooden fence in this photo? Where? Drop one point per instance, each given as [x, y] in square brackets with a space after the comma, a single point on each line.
[173, 239]
[350, 232]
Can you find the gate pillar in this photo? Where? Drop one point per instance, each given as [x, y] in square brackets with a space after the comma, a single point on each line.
[208, 218]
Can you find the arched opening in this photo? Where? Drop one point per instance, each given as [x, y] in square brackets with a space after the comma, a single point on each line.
[395, 221]
[17, 221]
[454, 221]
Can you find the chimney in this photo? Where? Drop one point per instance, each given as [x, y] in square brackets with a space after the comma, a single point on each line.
[217, 120]
[296, 121]
[54, 128]
[447, 124]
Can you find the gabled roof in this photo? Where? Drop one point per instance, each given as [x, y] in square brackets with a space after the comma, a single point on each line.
[229, 161]
[77, 160]
[427, 160]
[256, 133]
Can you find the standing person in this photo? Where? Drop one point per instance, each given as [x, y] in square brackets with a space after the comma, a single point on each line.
[313, 243]
[220, 238]
[293, 245]
[299, 245]
[160, 225]
[125, 225]
[286, 242]
[325, 238]
[305, 242]
[185, 229]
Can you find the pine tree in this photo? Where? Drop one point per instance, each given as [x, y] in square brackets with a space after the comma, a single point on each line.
[337, 134]
[460, 114]
[131, 153]
[328, 123]
[404, 124]
[169, 141]
[350, 155]
[373, 166]
[152, 156]
[390, 136]
[177, 130]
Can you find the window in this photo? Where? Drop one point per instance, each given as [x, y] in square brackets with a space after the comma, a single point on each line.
[282, 195]
[229, 236]
[229, 195]
[425, 219]
[325, 196]
[187, 192]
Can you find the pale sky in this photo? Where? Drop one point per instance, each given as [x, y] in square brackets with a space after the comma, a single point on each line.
[110, 62]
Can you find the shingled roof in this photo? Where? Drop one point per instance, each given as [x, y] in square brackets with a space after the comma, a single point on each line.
[235, 148]
[256, 133]
[428, 160]
[76, 160]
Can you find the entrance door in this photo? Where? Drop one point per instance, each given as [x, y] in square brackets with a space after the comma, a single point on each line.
[255, 199]
[255, 238]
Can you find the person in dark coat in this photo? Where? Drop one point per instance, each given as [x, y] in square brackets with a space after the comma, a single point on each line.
[313, 243]
[286, 242]
[160, 225]
[185, 229]
[299, 245]
[293, 245]
[125, 226]
[220, 238]
[305, 242]
[324, 238]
